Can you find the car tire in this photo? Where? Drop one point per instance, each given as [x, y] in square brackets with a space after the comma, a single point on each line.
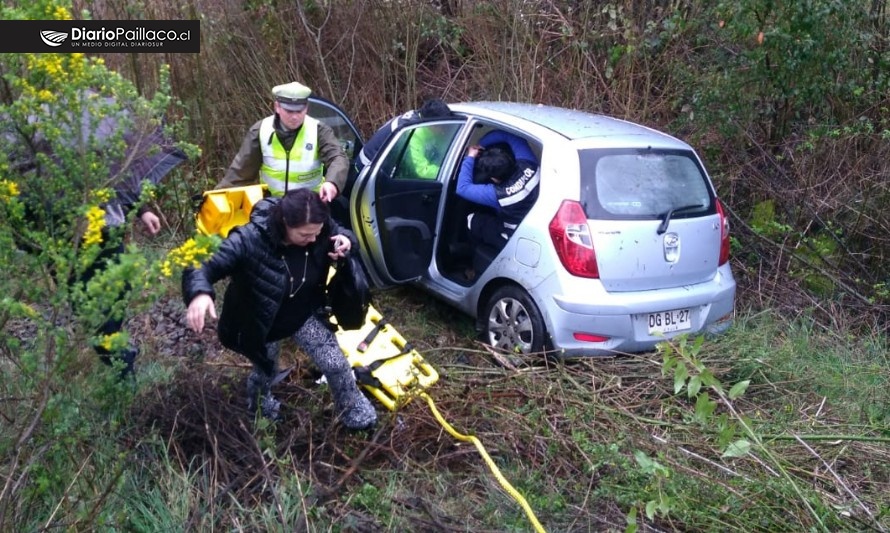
[511, 322]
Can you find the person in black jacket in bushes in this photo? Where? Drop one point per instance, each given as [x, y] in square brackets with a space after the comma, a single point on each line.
[278, 264]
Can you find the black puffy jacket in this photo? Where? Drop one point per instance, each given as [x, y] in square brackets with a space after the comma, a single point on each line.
[252, 256]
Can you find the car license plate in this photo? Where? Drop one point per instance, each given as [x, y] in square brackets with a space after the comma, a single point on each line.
[669, 321]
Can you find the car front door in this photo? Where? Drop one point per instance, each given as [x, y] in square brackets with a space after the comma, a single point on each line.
[330, 114]
[397, 198]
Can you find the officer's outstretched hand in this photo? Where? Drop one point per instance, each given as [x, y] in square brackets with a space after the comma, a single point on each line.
[328, 191]
[198, 308]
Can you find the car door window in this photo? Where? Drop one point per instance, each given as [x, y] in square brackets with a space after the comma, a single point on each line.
[329, 114]
[420, 152]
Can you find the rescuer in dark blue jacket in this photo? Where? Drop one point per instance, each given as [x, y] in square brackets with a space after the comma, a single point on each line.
[506, 184]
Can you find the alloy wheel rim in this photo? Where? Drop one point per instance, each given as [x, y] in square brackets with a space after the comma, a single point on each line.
[510, 326]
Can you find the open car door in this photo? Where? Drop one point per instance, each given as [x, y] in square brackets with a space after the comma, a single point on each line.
[350, 139]
[330, 114]
[396, 201]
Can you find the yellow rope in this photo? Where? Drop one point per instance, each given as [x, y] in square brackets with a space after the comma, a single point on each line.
[494, 469]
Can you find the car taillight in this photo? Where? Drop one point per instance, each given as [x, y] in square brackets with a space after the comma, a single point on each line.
[724, 234]
[571, 238]
[589, 337]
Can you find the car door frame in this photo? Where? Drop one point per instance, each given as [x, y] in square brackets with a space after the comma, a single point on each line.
[397, 220]
[333, 116]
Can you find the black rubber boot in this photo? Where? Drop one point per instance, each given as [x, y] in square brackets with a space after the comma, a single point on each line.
[259, 394]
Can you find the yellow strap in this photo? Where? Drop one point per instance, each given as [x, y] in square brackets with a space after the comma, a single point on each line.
[404, 375]
[494, 468]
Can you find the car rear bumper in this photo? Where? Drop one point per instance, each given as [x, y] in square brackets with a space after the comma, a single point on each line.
[623, 317]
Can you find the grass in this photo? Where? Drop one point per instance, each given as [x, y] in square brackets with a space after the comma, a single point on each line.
[592, 445]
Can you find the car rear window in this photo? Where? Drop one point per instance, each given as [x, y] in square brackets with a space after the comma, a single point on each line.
[643, 184]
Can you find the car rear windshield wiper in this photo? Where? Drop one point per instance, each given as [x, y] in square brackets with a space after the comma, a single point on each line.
[663, 227]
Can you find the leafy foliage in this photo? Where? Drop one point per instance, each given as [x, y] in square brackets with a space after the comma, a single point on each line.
[62, 124]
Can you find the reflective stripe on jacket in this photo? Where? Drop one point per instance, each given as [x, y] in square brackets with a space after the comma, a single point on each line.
[517, 195]
[298, 168]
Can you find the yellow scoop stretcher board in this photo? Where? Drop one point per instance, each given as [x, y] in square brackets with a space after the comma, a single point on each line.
[224, 209]
[385, 364]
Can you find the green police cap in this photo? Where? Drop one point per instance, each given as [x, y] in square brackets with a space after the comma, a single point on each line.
[292, 96]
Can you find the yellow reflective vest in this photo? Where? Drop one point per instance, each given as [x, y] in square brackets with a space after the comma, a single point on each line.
[296, 169]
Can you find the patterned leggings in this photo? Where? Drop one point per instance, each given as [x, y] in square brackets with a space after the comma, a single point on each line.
[320, 344]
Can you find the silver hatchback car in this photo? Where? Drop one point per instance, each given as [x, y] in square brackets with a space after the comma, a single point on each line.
[626, 245]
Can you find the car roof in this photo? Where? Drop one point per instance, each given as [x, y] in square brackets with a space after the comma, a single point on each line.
[572, 124]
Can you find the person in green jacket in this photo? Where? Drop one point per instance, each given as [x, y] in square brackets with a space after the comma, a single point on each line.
[427, 149]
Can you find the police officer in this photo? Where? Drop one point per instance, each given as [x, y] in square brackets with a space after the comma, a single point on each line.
[290, 150]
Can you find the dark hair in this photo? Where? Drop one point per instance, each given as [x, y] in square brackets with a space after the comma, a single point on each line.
[496, 161]
[434, 108]
[298, 207]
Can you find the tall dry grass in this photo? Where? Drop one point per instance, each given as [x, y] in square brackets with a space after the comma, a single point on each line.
[377, 59]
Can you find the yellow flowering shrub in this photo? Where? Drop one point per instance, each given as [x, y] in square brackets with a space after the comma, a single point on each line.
[95, 223]
[8, 190]
[113, 342]
[188, 254]
[58, 12]
[103, 195]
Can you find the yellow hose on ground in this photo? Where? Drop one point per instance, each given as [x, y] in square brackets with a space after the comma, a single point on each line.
[493, 467]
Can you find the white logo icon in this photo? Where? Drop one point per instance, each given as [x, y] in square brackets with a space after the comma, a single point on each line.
[52, 37]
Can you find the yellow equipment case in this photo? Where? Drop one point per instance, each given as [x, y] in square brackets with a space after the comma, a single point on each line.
[224, 209]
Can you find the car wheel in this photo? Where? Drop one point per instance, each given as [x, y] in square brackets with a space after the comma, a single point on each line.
[512, 322]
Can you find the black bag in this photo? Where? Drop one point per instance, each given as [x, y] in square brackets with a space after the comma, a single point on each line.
[349, 294]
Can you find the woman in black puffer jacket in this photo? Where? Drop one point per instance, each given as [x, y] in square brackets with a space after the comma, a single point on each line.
[279, 265]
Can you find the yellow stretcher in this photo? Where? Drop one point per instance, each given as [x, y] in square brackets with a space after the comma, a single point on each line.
[224, 209]
[385, 363]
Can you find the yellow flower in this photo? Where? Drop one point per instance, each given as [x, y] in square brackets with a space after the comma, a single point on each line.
[189, 254]
[8, 189]
[111, 342]
[61, 13]
[103, 195]
[45, 96]
[95, 223]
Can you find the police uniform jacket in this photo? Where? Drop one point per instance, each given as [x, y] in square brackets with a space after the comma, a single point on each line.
[513, 198]
[245, 167]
